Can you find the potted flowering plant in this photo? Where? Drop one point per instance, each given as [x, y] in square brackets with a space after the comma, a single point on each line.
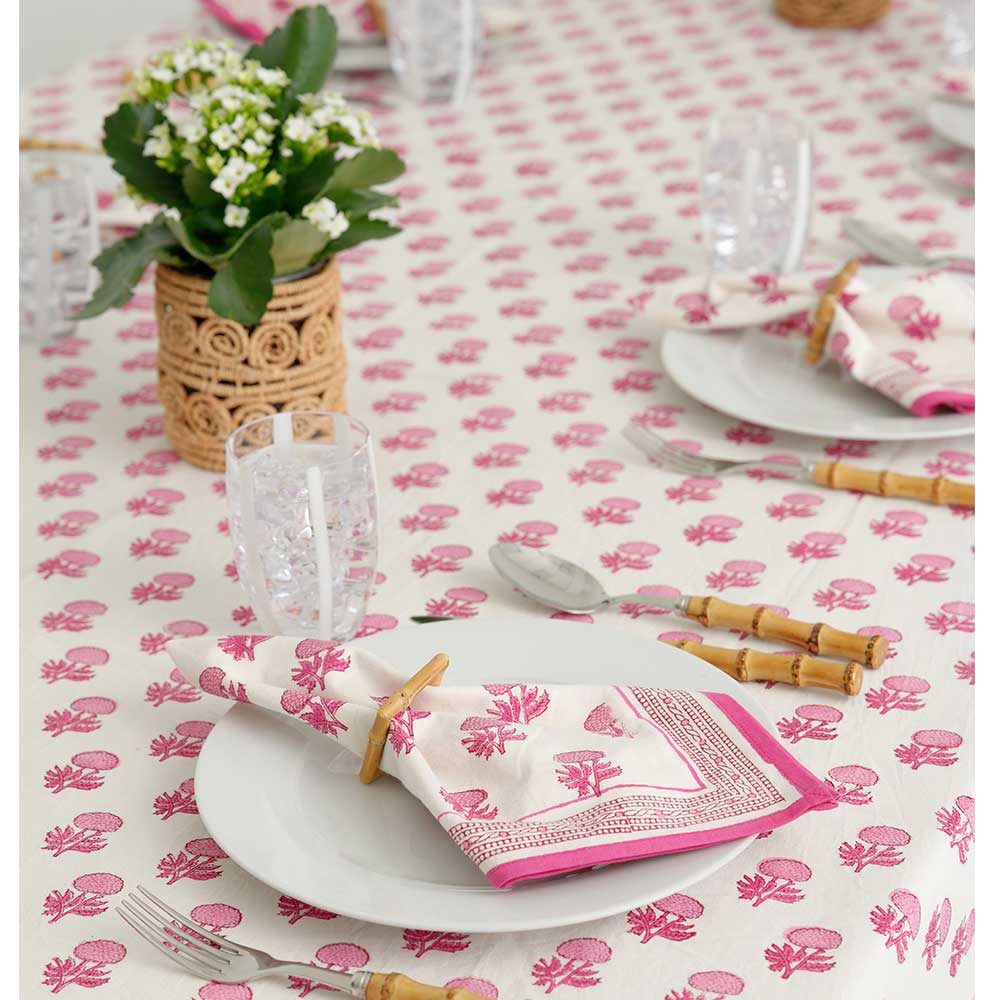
[262, 178]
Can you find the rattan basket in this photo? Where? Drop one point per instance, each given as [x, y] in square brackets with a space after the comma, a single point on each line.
[215, 374]
[831, 13]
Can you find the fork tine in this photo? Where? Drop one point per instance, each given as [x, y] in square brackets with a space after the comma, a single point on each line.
[178, 937]
[190, 964]
[664, 453]
[186, 923]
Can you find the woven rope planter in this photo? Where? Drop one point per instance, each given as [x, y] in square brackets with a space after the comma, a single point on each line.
[832, 13]
[215, 374]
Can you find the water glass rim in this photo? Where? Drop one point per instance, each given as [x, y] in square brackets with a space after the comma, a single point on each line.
[356, 425]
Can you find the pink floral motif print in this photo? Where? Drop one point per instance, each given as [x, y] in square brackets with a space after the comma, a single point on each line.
[816, 545]
[666, 918]
[932, 568]
[711, 985]
[502, 455]
[241, 647]
[180, 802]
[965, 670]
[155, 642]
[694, 488]
[775, 879]
[517, 703]
[916, 322]
[158, 501]
[85, 835]
[486, 736]
[532, 534]
[69, 484]
[85, 771]
[161, 542]
[72, 563]
[176, 689]
[959, 823]
[613, 510]
[630, 555]
[87, 897]
[153, 463]
[748, 433]
[736, 573]
[72, 524]
[295, 910]
[900, 693]
[806, 949]
[458, 602]
[904, 523]
[584, 770]
[713, 528]
[185, 741]
[937, 932]
[317, 658]
[876, 845]
[409, 439]
[421, 942]
[635, 609]
[795, 505]
[579, 435]
[961, 943]
[481, 987]
[697, 307]
[954, 616]
[898, 923]
[76, 616]
[163, 587]
[401, 735]
[518, 492]
[341, 956]
[198, 861]
[489, 418]
[441, 559]
[602, 721]
[597, 470]
[850, 783]
[470, 803]
[929, 746]
[573, 964]
[318, 712]
[87, 966]
[82, 716]
[77, 664]
[890, 635]
[429, 517]
[423, 475]
[217, 917]
[810, 722]
[371, 624]
[846, 593]
[950, 463]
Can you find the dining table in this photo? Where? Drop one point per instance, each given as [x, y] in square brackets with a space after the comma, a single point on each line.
[497, 347]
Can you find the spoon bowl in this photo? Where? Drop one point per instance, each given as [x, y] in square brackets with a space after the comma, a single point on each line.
[548, 579]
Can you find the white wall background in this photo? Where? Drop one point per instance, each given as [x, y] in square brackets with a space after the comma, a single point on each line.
[57, 33]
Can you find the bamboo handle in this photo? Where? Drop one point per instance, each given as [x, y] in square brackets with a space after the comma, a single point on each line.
[825, 309]
[396, 986]
[891, 484]
[818, 639]
[800, 671]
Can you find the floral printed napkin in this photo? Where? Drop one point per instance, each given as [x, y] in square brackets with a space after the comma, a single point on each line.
[532, 781]
[911, 340]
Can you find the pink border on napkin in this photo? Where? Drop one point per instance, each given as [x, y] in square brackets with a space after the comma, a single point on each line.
[928, 405]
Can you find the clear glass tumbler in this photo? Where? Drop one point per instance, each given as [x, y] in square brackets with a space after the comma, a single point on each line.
[756, 192]
[303, 521]
[434, 47]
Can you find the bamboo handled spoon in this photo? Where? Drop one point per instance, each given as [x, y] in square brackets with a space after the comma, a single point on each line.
[565, 586]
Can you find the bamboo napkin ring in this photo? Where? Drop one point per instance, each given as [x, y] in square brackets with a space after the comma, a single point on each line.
[430, 673]
[823, 316]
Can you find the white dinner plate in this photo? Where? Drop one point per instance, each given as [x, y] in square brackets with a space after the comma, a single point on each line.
[955, 121]
[285, 802]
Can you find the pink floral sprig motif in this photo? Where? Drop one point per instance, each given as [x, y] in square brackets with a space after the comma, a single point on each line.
[898, 923]
[185, 741]
[489, 418]
[158, 501]
[85, 771]
[155, 642]
[700, 489]
[806, 949]
[517, 703]
[961, 943]
[342, 956]
[86, 834]
[950, 463]
[775, 879]
[668, 918]
[532, 534]
[850, 783]
[295, 910]
[151, 426]
[241, 647]
[76, 616]
[954, 616]
[795, 505]
[82, 716]
[199, 861]
[736, 573]
[937, 932]
[713, 985]
[550, 365]
[503, 455]
[959, 823]
[924, 567]
[901, 523]
[929, 746]
[637, 380]
[217, 917]
[597, 470]
[816, 545]
[87, 897]
[579, 435]
[899, 693]
[584, 770]
[163, 587]
[401, 735]
[69, 484]
[74, 411]
[574, 964]
[153, 463]
[317, 658]
[72, 524]
[630, 555]
[178, 803]
[564, 401]
[916, 322]
[243, 616]
[602, 721]
[810, 722]
[421, 942]
[70, 377]
[76, 665]
[876, 845]
[318, 712]
[175, 689]
[441, 559]
[458, 602]
[429, 517]
[713, 528]
[517, 492]
[161, 542]
[612, 510]
[72, 563]
[658, 416]
[636, 609]
[846, 593]
[485, 736]
[890, 635]
[748, 433]
[87, 966]
[965, 670]
[470, 803]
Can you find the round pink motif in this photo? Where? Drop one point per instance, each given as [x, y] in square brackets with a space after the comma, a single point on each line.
[794, 871]
[905, 517]
[904, 306]
[480, 987]
[103, 822]
[100, 760]
[225, 991]
[907, 684]
[723, 983]
[886, 836]
[98, 706]
[961, 608]
[92, 656]
[679, 637]
[851, 586]
[185, 628]
[205, 847]
[174, 579]
[211, 681]
[294, 701]
[470, 594]
[854, 774]
[172, 535]
[343, 955]
[217, 915]
[932, 561]
[199, 730]
[638, 549]
[101, 950]
[814, 937]
[100, 882]
[938, 738]
[819, 713]
[79, 557]
[568, 616]
[86, 607]
[678, 903]
[589, 949]
[577, 757]
[165, 494]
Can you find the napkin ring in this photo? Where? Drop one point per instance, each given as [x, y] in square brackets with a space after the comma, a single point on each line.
[823, 316]
[430, 673]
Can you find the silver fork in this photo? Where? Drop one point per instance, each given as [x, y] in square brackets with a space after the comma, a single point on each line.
[211, 957]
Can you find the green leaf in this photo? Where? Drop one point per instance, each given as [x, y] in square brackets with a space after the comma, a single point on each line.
[295, 245]
[354, 204]
[368, 168]
[304, 47]
[199, 243]
[125, 132]
[360, 231]
[122, 264]
[197, 186]
[241, 288]
[305, 184]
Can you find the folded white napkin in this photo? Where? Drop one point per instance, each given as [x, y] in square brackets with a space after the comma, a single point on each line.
[911, 340]
[954, 84]
[532, 780]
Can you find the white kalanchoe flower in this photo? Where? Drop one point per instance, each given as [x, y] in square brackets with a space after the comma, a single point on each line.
[298, 128]
[326, 217]
[236, 216]
[158, 143]
[224, 137]
[272, 77]
[172, 213]
[252, 148]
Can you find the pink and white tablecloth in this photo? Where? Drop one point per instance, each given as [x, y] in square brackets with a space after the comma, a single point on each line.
[495, 355]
